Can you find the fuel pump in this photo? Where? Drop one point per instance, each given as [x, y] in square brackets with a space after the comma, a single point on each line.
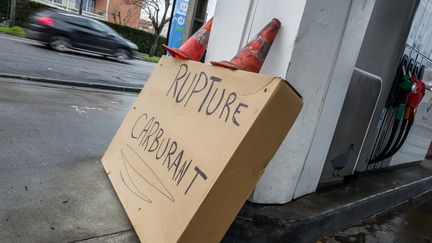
[414, 99]
[408, 94]
[396, 102]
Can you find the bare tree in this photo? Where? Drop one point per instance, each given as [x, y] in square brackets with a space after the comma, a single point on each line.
[116, 14]
[156, 11]
[128, 17]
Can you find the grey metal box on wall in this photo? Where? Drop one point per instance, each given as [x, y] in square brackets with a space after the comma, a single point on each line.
[358, 107]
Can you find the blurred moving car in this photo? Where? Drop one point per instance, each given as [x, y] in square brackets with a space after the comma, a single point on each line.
[63, 31]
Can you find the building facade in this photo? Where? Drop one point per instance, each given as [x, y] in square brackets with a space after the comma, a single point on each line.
[114, 11]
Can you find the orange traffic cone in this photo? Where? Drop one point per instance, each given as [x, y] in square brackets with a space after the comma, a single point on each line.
[251, 57]
[194, 47]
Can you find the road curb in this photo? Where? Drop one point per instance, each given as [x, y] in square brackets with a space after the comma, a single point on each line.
[13, 35]
[73, 83]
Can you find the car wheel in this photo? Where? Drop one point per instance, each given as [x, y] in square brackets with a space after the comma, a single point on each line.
[59, 43]
[121, 55]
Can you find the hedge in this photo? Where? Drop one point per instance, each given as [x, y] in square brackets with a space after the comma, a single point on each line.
[142, 39]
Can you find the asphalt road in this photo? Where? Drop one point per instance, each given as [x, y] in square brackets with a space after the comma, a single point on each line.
[410, 223]
[53, 187]
[29, 58]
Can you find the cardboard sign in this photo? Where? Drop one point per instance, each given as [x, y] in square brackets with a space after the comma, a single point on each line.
[194, 145]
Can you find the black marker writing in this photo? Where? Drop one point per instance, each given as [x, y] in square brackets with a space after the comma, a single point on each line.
[213, 100]
[198, 172]
[237, 111]
[151, 138]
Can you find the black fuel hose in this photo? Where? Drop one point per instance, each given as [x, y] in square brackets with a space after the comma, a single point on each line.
[396, 148]
[388, 144]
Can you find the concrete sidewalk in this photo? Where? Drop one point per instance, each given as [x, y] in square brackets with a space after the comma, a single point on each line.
[96, 85]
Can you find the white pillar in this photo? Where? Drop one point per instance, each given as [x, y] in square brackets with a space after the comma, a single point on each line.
[324, 56]
[315, 50]
[358, 20]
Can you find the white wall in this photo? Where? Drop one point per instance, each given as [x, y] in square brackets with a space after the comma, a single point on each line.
[227, 29]
[237, 21]
[211, 6]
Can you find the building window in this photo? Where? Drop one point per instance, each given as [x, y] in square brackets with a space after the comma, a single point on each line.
[87, 5]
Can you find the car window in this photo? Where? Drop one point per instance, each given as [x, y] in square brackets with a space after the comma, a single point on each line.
[79, 21]
[99, 27]
[44, 12]
[82, 22]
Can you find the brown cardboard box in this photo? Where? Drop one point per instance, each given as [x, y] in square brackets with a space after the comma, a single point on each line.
[184, 160]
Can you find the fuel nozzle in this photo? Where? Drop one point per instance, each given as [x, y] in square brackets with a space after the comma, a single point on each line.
[406, 83]
[413, 87]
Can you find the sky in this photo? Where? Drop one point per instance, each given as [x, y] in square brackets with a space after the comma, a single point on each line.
[210, 9]
[144, 15]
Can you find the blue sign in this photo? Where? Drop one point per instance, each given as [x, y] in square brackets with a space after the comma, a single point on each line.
[178, 21]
